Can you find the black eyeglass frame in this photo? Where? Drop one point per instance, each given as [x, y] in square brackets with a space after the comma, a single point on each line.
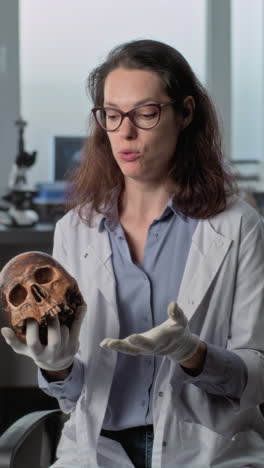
[129, 114]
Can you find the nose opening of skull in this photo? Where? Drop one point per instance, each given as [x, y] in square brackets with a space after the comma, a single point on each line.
[44, 275]
[17, 295]
[38, 293]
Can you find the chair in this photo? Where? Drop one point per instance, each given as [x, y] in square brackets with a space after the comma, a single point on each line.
[32, 440]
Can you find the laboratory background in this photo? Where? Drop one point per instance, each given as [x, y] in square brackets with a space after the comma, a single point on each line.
[47, 50]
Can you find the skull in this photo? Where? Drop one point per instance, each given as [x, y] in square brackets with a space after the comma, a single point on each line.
[34, 285]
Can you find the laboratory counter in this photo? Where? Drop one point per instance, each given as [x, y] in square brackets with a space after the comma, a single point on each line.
[15, 240]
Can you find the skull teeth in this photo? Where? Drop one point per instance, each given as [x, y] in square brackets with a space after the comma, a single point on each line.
[54, 311]
[60, 308]
[21, 324]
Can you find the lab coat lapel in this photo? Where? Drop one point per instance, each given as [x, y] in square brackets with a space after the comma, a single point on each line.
[103, 322]
[207, 252]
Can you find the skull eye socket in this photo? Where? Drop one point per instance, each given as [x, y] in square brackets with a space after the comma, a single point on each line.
[44, 275]
[17, 295]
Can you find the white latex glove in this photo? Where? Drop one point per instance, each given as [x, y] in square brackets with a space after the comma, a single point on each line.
[172, 338]
[63, 343]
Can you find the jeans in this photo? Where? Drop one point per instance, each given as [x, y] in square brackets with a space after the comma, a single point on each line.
[137, 442]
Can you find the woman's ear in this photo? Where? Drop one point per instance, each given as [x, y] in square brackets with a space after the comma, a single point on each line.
[188, 108]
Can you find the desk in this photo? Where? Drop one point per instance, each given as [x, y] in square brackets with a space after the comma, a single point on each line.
[16, 240]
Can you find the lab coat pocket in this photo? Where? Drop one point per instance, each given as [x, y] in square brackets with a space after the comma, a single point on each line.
[201, 444]
[209, 449]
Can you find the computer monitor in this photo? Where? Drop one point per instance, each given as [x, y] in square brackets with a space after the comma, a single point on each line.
[66, 155]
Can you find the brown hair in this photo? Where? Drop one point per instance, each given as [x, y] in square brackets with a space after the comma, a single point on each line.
[202, 182]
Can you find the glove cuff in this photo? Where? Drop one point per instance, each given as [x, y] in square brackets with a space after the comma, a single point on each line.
[187, 350]
[56, 367]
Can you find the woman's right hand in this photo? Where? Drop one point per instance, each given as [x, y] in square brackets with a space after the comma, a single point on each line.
[63, 343]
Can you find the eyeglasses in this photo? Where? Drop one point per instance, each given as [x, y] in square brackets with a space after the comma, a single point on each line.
[144, 117]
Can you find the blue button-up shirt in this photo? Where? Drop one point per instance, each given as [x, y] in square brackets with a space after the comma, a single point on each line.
[143, 294]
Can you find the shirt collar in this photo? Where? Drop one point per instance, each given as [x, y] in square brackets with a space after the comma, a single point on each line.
[170, 208]
[111, 216]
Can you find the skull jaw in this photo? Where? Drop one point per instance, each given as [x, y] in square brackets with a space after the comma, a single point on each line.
[65, 314]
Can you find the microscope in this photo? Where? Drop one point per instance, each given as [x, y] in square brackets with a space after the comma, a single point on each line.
[16, 207]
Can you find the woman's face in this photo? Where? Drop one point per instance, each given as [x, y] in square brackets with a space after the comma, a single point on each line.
[142, 155]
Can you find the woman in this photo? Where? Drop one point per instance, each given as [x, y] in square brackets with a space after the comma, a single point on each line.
[154, 219]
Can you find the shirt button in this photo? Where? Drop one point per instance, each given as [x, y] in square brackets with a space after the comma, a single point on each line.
[161, 394]
[164, 443]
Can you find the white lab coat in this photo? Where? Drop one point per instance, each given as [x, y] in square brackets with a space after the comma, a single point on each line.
[222, 294]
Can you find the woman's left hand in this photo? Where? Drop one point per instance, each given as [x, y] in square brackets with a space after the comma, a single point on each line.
[172, 338]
